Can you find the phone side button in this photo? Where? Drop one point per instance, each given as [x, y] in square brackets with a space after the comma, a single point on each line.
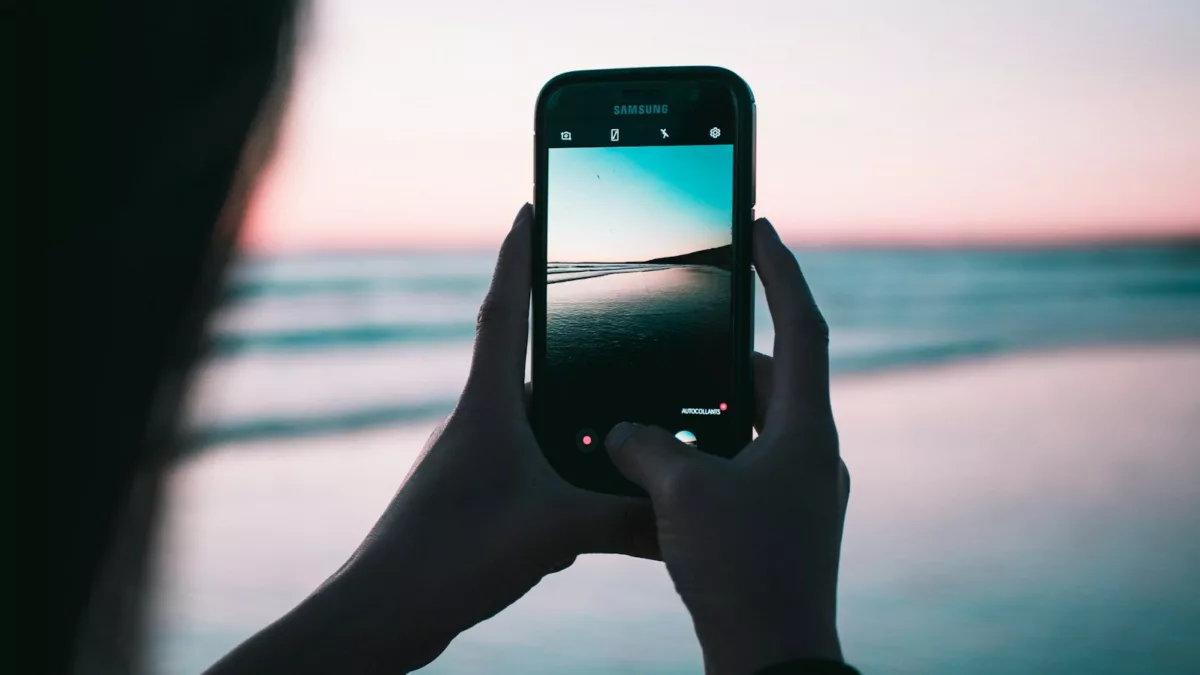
[754, 153]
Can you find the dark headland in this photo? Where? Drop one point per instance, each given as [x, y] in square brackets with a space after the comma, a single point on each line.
[722, 257]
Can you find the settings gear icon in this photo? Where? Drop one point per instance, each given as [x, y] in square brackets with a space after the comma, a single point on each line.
[714, 132]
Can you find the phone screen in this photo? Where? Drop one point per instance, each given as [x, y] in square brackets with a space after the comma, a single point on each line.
[639, 278]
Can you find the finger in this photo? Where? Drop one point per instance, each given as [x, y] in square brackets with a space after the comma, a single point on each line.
[612, 524]
[845, 481]
[648, 456]
[502, 328]
[561, 565]
[763, 375]
[800, 372]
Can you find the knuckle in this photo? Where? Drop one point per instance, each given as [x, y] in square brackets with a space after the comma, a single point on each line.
[642, 440]
[813, 428]
[827, 465]
[686, 483]
[809, 325]
[819, 327]
[624, 453]
[816, 444]
[490, 312]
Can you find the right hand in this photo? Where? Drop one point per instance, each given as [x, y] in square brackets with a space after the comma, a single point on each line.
[753, 543]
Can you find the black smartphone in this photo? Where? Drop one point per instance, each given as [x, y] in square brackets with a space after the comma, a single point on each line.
[642, 284]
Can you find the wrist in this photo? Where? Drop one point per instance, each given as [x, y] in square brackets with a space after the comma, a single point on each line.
[751, 646]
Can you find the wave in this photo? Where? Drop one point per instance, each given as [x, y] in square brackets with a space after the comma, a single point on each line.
[320, 339]
[287, 427]
[323, 345]
[421, 397]
[250, 289]
[563, 268]
[574, 272]
[560, 277]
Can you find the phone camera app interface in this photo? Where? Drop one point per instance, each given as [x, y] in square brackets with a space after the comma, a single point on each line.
[639, 291]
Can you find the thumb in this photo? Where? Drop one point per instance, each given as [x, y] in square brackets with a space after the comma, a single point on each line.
[648, 456]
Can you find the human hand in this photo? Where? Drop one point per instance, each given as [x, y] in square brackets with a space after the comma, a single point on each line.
[482, 517]
[479, 520]
[753, 543]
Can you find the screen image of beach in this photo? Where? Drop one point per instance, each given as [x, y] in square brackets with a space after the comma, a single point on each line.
[639, 285]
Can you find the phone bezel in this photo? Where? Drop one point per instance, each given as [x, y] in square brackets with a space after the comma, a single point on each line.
[742, 404]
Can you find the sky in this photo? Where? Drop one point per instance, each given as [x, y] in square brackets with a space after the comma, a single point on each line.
[880, 121]
[622, 204]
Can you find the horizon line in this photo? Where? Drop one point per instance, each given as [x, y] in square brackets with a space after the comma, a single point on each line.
[1185, 236]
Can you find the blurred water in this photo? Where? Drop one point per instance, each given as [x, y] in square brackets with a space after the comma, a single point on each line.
[1028, 514]
[328, 343]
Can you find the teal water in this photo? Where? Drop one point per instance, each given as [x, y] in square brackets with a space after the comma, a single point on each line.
[327, 318]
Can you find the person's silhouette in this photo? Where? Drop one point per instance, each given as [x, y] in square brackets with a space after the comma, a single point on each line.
[183, 108]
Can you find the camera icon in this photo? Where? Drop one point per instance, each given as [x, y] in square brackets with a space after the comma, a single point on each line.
[566, 135]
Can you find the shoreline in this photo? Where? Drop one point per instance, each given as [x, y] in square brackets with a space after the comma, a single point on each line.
[1099, 348]
[421, 414]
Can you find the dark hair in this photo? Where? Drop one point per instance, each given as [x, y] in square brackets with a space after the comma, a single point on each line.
[178, 102]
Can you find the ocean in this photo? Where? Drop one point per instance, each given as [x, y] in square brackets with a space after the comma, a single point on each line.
[1074, 553]
[299, 342]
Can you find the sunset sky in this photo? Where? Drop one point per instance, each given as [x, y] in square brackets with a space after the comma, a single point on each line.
[638, 203]
[879, 121]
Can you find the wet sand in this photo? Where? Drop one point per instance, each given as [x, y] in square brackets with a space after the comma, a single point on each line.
[1028, 513]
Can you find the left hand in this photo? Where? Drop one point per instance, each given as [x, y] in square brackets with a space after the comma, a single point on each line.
[479, 520]
[482, 516]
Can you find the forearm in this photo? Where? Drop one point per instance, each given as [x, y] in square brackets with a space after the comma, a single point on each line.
[343, 627]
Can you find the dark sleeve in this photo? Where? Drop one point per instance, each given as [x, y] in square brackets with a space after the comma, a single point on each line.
[809, 667]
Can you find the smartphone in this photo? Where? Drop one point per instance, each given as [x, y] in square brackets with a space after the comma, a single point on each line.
[642, 282]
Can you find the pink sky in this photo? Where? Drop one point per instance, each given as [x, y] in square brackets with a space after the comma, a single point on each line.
[410, 124]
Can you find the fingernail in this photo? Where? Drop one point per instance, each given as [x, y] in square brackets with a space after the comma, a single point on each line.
[770, 228]
[524, 214]
[618, 435]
